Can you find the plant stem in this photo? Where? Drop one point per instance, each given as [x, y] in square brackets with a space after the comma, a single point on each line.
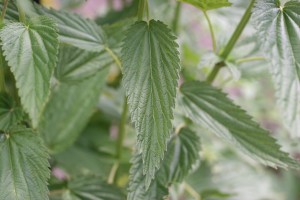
[122, 130]
[115, 57]
[22, 16]
[237, 33]
[176, 17]
[113, 172]
[228, 48]
[191, 191]
[5, 2]
[211, 29]
[249, 59]
[143, 5]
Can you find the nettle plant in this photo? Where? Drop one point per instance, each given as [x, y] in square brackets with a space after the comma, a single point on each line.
[55, 65]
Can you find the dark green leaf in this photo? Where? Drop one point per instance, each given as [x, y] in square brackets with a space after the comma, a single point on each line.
[10, 113]
[69, 110]
[23, 165]
[31, 51]
[76, 31]
[11, 11]
[279, 33]
[75, 64]
[151, 65]
[211, 108]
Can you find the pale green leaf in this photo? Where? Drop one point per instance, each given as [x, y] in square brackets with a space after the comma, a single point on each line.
[279, 33]
[208, 4]
[212, 109]
[75, 64]
[151, 64]
[31, 51]
[182, 154]
[92, 188]
[23, 165]
[75, 30]
[10, 113]
[68, 111]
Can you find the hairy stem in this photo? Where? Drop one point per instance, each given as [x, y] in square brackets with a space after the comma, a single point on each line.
[211, 29]
[228, 48]
[176, 18]
[5, 3]
[143, 7]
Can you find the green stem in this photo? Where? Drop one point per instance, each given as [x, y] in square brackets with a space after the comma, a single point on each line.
[249, 59]
[237, 33]
[5, 2]
[143, 6]
[228, 48]
[115, 57]
[122, 130]
[211, 29]
[22, 16]
[176, 17]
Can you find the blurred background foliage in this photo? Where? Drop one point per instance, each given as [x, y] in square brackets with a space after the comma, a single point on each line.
[223, 173]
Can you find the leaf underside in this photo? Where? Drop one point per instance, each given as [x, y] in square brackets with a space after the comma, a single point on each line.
[212, 109]
[208, 4]
[31, 51]
[182, 154]
[23, 166]
[279, 32]
[151, 64]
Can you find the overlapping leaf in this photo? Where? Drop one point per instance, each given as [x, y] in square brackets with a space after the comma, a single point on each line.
[31, 52]
[211, 108]
[279, 32]
[69, 110]
[10, 113]
[75, 64]
[76, 31]
[11, 11]
[182, 154]
[92, 188]
[23, 165]
[208, 4]
[151, 65]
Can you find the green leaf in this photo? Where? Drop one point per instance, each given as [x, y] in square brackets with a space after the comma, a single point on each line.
[182, 154]
[31, 51]
[69, 110]
[75, 64]
[10, 113]
[208, 4]
[279, 33]
[212, 109]
[92, 188]
[23, 165]
[151, 65]
[76, 31]
[11, 11]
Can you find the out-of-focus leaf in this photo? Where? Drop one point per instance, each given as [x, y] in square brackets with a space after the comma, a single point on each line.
[31, 51]
[75, 64]
[211, 108]
[151, 64]
[69, 110]
[76, 31]
[11, 11]
[23, 165]
[10, 113]
[208, 4]
[279, 34]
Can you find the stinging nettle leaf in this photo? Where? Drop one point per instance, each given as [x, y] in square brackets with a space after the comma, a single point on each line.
[75, 30]
[211, 108]
[10, 113]
[23, 165]
[31, 51]
[75, 64]
[182, 154]
[151, 64]
[208, 4]
[279, 32]
[68, 111]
